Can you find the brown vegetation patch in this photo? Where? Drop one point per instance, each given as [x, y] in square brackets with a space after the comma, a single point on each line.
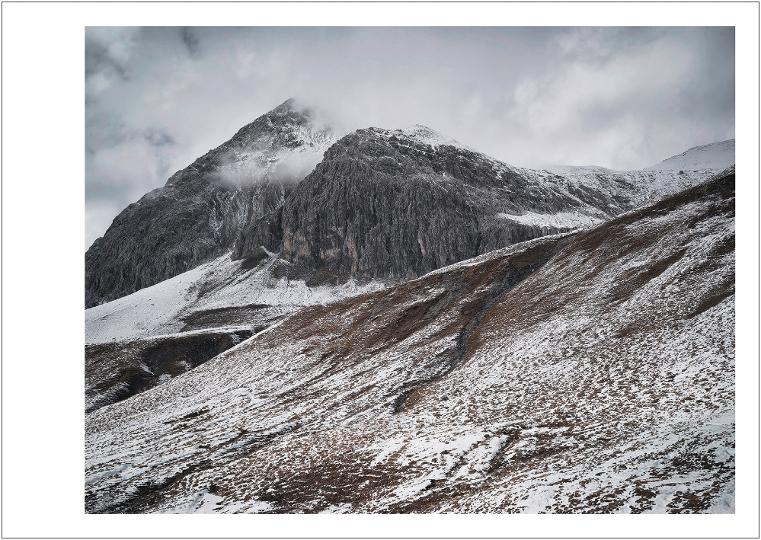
[633, 279]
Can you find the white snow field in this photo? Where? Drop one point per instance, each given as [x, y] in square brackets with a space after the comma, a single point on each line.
[570, 220]
[219, 284]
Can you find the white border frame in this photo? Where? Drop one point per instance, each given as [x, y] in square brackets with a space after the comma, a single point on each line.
[43, 218]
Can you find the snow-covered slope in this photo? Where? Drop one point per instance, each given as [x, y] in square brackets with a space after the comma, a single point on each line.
[217, 294]
[560, 220]
[582, 372]
[718, 155]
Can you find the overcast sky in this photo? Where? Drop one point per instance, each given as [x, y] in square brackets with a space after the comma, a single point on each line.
[157, 98]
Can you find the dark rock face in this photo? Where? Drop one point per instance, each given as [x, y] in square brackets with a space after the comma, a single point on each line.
[399, 204]
[118, 370]
[197, 215]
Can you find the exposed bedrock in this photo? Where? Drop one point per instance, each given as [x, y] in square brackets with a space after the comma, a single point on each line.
[382, 204]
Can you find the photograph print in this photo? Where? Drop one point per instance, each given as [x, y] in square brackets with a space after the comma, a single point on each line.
[409, 270]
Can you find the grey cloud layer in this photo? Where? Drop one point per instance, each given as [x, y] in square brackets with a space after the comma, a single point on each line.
[621, 97]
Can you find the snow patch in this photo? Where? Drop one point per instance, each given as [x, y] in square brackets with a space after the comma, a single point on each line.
[560, 220]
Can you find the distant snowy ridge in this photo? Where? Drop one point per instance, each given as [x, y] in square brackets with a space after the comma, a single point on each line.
[718, 155]
[715, 156]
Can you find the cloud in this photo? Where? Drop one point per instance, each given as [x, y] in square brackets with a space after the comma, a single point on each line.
[157, 98]
[631, 105]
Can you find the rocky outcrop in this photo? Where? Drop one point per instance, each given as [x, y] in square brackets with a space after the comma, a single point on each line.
[197, 215]
[395, 204]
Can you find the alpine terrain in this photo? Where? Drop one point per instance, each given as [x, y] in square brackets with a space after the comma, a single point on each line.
[388, 320]
[196, 216]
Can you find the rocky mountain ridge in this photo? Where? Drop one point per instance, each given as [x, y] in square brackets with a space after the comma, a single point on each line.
[198, 214]
[382, 204]
[399, 203]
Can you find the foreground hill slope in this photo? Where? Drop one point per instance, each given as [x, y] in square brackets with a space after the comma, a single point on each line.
[197, 215]
[582, 372]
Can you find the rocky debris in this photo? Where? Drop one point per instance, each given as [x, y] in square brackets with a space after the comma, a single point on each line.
[582, 372]
[197, 215]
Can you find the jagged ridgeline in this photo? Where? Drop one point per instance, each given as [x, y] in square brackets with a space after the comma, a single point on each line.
[400, 203]
[197, 215]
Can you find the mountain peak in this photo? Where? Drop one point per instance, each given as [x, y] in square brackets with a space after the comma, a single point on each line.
[288, 104]
[210, 200]
[289, 107]
[291, 124]
[421, 134]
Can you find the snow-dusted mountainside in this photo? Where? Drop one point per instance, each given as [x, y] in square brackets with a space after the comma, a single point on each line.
[400, 203]
[582, 372]
[718, 155]
[145, 338]
[669, 176]
[219, 294]
[197, 215]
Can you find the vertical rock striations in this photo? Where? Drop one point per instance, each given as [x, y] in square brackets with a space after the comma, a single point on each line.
[396, 204]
